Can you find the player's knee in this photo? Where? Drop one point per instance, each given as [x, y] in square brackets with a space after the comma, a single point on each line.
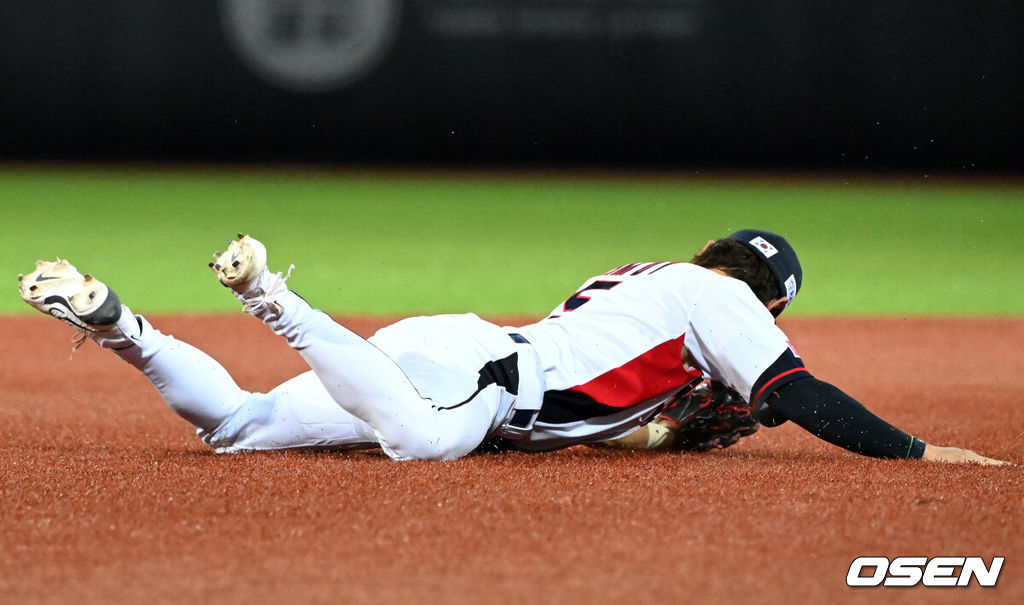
[437, 436]
[422, 451]
[427, 446]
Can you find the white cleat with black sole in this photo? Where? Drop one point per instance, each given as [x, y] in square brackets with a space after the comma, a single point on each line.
[59, 289]
[243, 269]
[241, 264]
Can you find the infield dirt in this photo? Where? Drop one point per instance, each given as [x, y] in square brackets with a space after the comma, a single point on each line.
[108, 497]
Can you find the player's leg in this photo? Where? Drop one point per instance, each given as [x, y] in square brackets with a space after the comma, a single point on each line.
[299, 413]
[359, 376]
[192, 383]
[368, 384]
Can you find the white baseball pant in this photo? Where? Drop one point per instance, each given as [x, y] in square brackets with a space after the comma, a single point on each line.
[424, 388]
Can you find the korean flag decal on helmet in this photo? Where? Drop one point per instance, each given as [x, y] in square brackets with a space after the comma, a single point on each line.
[766, 248]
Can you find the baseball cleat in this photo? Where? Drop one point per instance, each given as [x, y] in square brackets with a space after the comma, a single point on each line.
[57, 288]
[243, 262]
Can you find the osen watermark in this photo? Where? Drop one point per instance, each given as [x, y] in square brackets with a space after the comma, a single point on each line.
[926, 571]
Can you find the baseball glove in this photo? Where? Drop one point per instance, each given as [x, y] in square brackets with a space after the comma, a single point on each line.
[711, 416]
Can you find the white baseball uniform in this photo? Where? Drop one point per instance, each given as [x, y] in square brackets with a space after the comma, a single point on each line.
[616, 352]
[605, 362]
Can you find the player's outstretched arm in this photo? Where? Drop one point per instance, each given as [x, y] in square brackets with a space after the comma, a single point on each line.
[834, 416]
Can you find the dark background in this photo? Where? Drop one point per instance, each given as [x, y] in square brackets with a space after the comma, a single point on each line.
[847, 85]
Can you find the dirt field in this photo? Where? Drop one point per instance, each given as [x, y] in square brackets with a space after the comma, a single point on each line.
[107, 496]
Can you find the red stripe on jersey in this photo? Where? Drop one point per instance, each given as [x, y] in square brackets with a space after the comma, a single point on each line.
[665, 265]
[644, 268]
[623, 269]
[653, 373]
[773, 381]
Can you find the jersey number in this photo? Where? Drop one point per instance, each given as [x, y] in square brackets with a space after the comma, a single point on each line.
[576, 300]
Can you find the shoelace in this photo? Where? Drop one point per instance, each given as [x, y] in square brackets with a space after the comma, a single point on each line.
[81, 335]
[274, 285]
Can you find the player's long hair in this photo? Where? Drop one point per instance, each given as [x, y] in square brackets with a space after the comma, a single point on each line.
[740, 262]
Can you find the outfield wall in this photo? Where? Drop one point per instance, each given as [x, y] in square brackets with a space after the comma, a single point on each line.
[912, 85]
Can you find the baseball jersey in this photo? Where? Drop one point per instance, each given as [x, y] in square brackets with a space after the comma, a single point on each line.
[617, 351]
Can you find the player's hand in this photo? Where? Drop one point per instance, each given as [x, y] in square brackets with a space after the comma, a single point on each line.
[956, 455]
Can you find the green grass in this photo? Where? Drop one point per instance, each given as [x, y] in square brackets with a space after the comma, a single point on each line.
[402, 243]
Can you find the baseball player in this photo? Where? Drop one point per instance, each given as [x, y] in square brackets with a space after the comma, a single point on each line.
[617, 354]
